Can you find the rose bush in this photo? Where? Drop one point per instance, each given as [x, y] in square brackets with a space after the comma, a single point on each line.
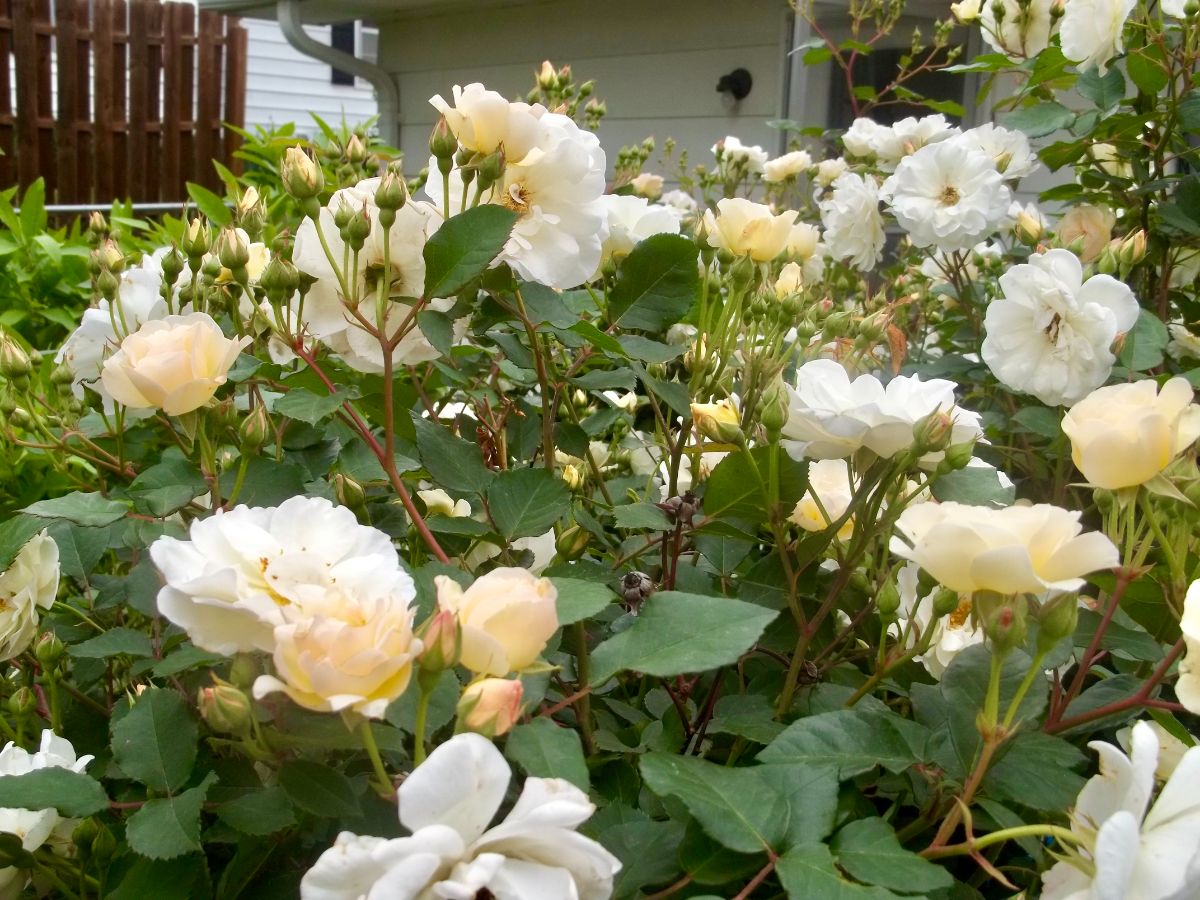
[474, 527]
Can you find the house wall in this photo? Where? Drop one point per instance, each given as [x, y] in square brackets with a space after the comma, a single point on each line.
[283, 85]
[656, 64]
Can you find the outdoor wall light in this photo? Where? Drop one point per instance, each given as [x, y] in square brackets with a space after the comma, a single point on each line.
[735, 86]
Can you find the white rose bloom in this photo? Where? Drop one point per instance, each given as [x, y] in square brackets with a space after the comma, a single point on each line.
[681, 202]
[28, 585]
[1130, 848]
[852, 221]
[948, 195]
[1023, 32]
[447, 804]
[1171, 749]
[910, 135]
[102, 329]
[865, 136]
[952, 634]
[830, 170]
[555, 188]
[324, 314]
[733, 150]
[630, 221]
[787, 166]
[1050, 333]
[248, 570]
[1091, 31]
[35, 826]
[1008, 149]
[830, 416]
[484, 120]
[935, 266]
[1183, 343]
[648, 185]
[830, 492]
[1187, 688]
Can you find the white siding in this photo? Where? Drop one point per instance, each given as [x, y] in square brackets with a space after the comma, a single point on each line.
[656, 64]
[283, 85]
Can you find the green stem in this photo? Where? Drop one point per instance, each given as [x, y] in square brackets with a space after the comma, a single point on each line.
[385, 786]
[583, 706]
[1063, 835]
[419, 726]
[243, 467]
[1035, 669]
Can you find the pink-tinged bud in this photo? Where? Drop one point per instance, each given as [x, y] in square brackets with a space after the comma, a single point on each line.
[225, 708]
[442, 638]
[490, 707]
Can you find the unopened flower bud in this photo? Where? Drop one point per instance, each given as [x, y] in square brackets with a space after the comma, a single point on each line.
[957, 456]
[349, 492]
[109, 256]
[442, 143]
[718, 421]
[195, 239]
[107, 283]
[1003, 618]
[547, 78]
[172, 266]
[1133, 249]
[392, 192]
[355, 151]
[97, 225]
[932, 432]
[22, 702]
[225, 708]
[490, 707]
[442, 640]
[946, 601]
[14, 361]
[49, 650]
[572, 477]
[302, 178]
[358, 228]
[491, 168]
[233, 250]
[774, 411]
[279, 279]
[572, 542]
[1028, 228]
[1056, 620]
[255, 430]
[888, 600]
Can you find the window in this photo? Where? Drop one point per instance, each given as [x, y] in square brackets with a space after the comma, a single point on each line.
[357, 39]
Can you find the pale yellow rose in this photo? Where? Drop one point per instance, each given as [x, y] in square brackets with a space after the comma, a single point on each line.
[790, 164]
[648, 185]
[507, 616]
[803, 241]
[1014, 550]
[439, 503]
[357, 654]
[1187, 688]
[829, 482]
[1089, 228]
[1125, 434]
[490, 706]
[966, 10]
[174, 364]
[790, 280]
[745, 228]
[27, 587]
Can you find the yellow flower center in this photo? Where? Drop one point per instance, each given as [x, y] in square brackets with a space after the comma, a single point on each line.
[949, 196]
[960, 615]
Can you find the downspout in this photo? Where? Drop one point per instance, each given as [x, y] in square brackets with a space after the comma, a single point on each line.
[387, 94]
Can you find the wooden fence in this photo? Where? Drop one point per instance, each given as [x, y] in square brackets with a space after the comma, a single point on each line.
[117, 99]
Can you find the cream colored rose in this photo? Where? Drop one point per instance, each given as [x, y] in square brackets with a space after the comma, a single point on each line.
[803, 241]
[829, 489]
[1125, 434]
[790, 280]
[174, 364]
[357, 654]
[1015, 550]
[439, 503]
[790, 164]
[718, 421]
[648, 185]
[27, 586]
[1187, 688]
[1089, 228]
[507, 616]
[491, 706]
[745, 228]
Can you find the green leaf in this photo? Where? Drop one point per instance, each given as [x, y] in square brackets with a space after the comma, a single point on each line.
[1145, 343]
[155, 742]
[438, 329]
[210, 204]
[1146, 70]
[260, 812]
[167, 487]
[545, 306]
[807, 872]
[854, 740]
[734, 806]
[642, 348]
[268, 482]
[546, 750]
[91, 509]
[974, 486]
[647, 850]
[183, 878]
[114, 642]
[71, 793]
[186, 657]
[578, 599]
[1039, 420]
[678, 633]
[463, 247]
[747, 715]
[1039, 120]
[710, 863]
[1036, 770]
[811, 793]
[15, 534]
[80, 548]
[736, 486]
[641, 516]
[527, 502]
[165, 829]
[452, 462]
[1106, 90]
[655, 284]
[305, 406]
[1189, 111]
[869, 851]
[318, 789]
